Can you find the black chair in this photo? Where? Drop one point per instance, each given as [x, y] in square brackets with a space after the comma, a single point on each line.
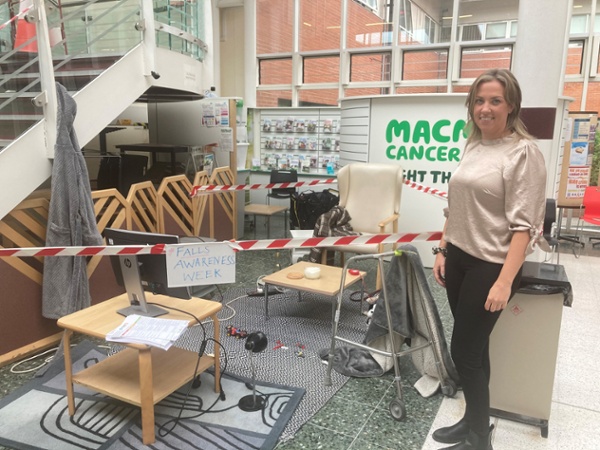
[282, 176]
[549, 229]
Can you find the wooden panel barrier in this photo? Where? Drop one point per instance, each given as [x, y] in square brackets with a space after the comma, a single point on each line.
[26, 225]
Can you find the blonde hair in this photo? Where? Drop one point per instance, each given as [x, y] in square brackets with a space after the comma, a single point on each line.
[512, 95]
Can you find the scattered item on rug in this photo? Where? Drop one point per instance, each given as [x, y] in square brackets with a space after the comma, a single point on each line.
[307, 321]
[300, 351]
[295, 275]
[36, 416]
[370, 313]
[278, 345]
[238, 333]
[352, 362]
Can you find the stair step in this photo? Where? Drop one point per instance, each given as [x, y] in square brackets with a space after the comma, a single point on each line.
[59, 74]
[21, 117]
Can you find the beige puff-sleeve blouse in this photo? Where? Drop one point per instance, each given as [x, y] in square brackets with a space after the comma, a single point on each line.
[498, 188]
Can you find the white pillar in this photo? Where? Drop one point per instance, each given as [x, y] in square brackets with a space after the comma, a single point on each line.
[539, 65]
[540, 50]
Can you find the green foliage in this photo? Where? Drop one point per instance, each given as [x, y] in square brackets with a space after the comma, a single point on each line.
[595, 162]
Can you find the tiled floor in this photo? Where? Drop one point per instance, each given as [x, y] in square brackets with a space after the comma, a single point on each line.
[358, 416]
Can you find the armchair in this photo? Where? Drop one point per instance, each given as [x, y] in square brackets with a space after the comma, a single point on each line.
[371, 194]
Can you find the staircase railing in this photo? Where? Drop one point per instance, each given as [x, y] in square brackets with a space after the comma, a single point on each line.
[72, 42]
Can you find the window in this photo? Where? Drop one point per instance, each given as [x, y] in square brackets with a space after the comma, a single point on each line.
[476, 60]
[425, 65]
[473, 32]
[415, 25]
[274, 26]
[579, 24]
[574, 58]
[372, 4]
[370, 67]
[365, 28]
[275, 71]
[321, 69]
[495, 30]
[319, 25]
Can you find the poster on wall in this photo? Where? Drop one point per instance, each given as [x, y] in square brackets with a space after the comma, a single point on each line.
[577, 157]
[577, 180]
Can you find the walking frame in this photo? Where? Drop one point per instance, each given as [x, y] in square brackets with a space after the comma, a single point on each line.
[396, 407]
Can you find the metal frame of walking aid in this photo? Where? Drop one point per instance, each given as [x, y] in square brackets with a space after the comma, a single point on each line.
[396, 407]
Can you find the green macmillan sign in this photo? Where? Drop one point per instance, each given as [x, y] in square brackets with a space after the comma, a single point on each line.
[427, 141]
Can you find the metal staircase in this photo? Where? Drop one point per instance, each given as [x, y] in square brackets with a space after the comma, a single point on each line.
[125, 50]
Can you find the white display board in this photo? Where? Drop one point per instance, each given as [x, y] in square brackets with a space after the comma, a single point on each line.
[200, 264]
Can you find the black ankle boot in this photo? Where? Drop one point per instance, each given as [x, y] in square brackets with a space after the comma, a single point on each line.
[475, 441]
[454, 433]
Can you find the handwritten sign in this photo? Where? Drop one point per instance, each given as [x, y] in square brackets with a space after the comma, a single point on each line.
[200, 264]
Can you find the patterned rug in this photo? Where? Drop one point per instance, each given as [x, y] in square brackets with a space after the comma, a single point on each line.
[36, 415]
[297, 331]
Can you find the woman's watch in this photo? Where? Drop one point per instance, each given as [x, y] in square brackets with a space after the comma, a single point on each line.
[442, 250]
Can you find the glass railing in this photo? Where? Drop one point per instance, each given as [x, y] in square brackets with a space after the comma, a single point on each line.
[84, 37]
[180, 26]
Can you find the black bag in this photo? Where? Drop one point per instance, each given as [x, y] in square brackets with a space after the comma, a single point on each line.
[307, 206]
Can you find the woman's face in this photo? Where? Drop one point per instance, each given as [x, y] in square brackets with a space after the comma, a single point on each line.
[490, 111]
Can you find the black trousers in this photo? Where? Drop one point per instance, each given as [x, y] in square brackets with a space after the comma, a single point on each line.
[468, 282]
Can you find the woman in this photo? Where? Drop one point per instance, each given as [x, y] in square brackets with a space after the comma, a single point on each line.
[495, 210]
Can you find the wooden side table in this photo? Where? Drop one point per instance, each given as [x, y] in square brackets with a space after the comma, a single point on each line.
[139, 375]
[328, 284]
[257, 209]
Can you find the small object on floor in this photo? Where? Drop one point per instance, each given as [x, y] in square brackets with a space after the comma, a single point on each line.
[369, 312]
[236, 332]
[300, 351]
[278, 345]
[295, 275]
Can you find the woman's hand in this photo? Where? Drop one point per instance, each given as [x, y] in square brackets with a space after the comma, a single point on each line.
[498, 297]
[439, 269]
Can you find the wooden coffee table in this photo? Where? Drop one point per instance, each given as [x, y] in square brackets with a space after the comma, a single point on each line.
[328, 284]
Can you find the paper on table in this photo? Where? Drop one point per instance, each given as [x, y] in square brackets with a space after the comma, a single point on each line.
[151, 331]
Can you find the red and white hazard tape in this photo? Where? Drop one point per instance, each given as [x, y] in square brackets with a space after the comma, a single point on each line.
[337, 241]
[199, 190]
[103, 250]
[212, 188]
[426, 190]
[270, 244]
[15, 17]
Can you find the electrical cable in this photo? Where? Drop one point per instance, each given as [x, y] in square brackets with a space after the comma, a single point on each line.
[45, 362]
[162, 431]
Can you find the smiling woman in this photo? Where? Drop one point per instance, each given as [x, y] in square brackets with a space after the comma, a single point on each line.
[495, 211]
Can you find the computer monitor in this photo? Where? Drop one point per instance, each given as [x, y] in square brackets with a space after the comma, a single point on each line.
[151, 269]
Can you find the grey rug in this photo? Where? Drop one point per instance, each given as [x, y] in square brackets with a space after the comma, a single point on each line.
[297, 331]
[36, 415]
